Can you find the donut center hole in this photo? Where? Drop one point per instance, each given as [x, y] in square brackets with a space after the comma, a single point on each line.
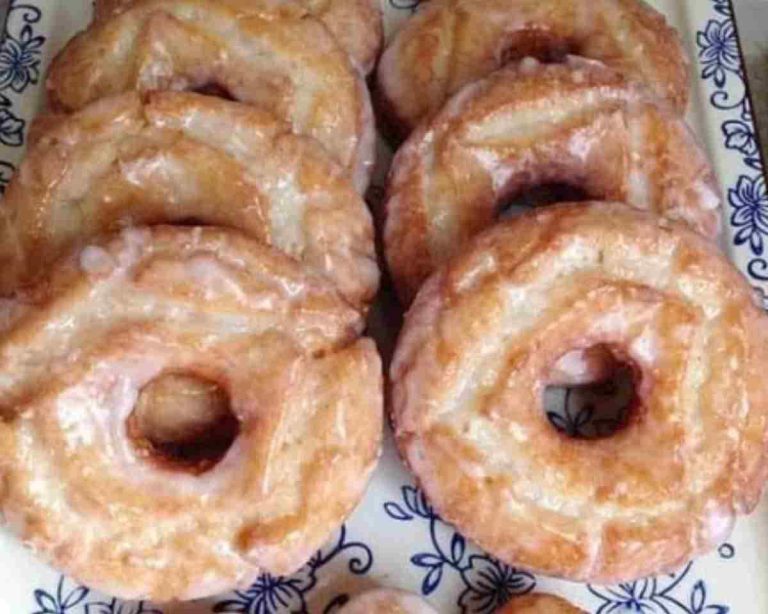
[217, 90]
[591, 393]
[183, 422]
[539, 196]
[539, 45]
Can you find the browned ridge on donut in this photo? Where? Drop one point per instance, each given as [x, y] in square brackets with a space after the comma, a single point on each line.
[356, 24]
[579, 123]
[182, 157]
[110, 371]
[289, 64]
[451, 43]
[476, 353]
[539, 603]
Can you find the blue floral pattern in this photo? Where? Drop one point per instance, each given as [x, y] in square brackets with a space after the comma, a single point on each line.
[488, 583]
[272, 594]
[20, 57]
[656, 596]
[721, 63]
[76, 600]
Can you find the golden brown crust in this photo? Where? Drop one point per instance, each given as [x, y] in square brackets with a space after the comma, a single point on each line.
[387, 601]
[171, 159]
[451, 43]
[539, 603]
[473, 358]
[279, 341]
[284, 61]
[577, 123]
[356, 24]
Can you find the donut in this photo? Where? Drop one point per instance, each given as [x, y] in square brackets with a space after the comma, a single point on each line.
[471, 368]
[387, 601]
[173, 158]
[539, 603]
[288, 64]
[528, 125]
[451, 43]
[114, 371]
[356, 24]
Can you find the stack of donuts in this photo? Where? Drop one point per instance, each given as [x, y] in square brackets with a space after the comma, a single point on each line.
[187, 264]
[502, 102]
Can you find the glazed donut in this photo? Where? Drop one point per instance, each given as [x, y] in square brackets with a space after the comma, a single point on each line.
[356, 24]
[451, 43]
[188, 324]
[387, 601]
[578, 123]
[473, 362]
[286, 63]
[539, 603]
[173, 158]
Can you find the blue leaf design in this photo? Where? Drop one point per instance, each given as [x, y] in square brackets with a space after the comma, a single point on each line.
[432, 580]
[394, 510]
[46, 602]
[698, 597]
[74, 598]
[426, 559]
[458, 545]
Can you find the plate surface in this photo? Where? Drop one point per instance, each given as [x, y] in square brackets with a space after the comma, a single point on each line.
[394, 538]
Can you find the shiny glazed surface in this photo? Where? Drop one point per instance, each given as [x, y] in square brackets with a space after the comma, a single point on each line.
[451, 43]
[182, 157]
[475, 355]
[356, 24]
[284, 61]
[79, 349]
[578, 123]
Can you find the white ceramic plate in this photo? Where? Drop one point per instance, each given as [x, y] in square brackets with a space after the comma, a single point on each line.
[394, 538]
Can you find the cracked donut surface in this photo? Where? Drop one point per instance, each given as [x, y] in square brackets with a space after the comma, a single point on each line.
[284, 61]
[160, 309]
[451, 43]
[356, 24]
[578, 123]
[476, 353]
[173, 158]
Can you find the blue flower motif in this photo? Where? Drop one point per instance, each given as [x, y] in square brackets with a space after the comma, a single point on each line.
[749, 200]
[723, 7]
[416, 504]
[270, 594]
[490, 584]
[656, 596]
[719, 51]
[20, 60]
[62, 602]
[11, 129]
[740, 137]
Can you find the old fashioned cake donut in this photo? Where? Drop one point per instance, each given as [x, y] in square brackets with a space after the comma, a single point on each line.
[289, 64]
[180, 157]
[451, 43]
[387, 601]
[578, 123]
[184, 409]
[539, 603]
[473, 361]
[356, 24]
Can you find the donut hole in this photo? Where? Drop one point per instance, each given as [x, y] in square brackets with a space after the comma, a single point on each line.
[183, 422]
[591, 393]
[539, 196]
[217, 90]
[538, 44]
